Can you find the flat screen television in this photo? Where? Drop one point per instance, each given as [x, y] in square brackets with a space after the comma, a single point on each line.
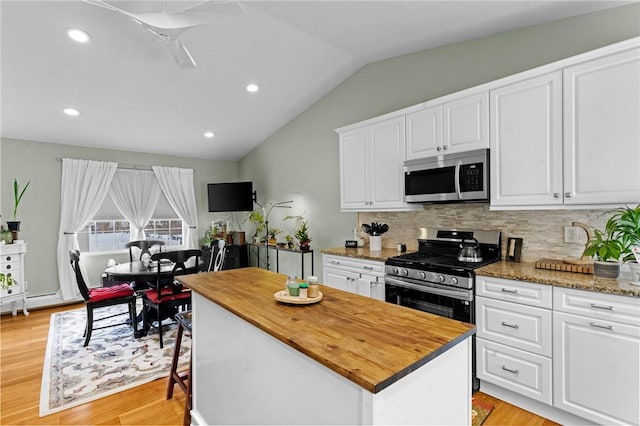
[230, 196]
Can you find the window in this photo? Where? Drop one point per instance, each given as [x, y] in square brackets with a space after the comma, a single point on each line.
[109, 231]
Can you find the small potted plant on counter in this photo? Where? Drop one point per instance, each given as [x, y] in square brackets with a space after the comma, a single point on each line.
[612, 246]
[375, 231]
[302, 235]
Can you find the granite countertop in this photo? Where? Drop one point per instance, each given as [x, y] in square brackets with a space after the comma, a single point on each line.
[526, 271]
[364, 253]
[367, 341]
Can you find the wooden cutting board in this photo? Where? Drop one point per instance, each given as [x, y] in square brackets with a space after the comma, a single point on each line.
[561, 265]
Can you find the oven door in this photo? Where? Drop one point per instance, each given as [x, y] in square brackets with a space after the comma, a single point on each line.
[451, 303]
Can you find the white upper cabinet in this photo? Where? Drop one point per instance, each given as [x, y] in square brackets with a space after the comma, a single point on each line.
[424, 133]
[602, 130]
[526, 142]
[456, 126]
[568, 138]
[371, 161]
[466, 123]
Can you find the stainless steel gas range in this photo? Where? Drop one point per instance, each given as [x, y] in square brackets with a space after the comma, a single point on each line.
[439, 278]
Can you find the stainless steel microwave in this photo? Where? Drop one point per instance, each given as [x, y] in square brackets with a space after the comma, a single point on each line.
[457, 177]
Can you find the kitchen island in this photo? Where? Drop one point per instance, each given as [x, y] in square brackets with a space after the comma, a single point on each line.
[345, 360]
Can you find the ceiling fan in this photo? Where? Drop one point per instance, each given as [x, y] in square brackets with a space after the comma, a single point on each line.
[168, 26]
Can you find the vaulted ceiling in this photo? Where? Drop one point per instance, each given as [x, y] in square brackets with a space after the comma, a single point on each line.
[132, 95]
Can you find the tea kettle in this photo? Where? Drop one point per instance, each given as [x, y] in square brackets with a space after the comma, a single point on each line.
[470, 251]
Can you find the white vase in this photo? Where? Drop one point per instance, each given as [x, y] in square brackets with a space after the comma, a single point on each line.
[375, 243]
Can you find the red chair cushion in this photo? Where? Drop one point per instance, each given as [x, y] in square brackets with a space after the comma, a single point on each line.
[167, 296]
[108, 293]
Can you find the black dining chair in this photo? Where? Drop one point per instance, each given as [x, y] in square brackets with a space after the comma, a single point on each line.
[102, 297]
[168, 297]
[144, 246]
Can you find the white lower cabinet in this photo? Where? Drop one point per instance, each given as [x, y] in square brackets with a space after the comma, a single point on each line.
[577, 352]
[360, 276]
[513, 346]
[596, 356]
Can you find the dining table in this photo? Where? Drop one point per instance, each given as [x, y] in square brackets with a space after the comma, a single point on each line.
[143, 275]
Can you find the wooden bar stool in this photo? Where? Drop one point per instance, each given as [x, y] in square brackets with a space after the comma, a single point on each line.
[183, 379]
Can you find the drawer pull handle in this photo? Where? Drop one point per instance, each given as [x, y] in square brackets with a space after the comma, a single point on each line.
[8, 258]
[608, 308]
[8, 267]
[510, 370]
[606, 327]
[368, 267]
[516, 326]
[335, 262]
[506, 290]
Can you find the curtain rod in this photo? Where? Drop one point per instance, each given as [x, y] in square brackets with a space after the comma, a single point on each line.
[124, 166]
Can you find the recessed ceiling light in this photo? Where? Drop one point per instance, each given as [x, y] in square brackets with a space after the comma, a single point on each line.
[78, 35]
[209, 134]
[252, 87]
[72, 112]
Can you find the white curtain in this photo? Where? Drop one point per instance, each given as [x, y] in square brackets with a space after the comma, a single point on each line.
[177, 186]
[135, 193]
[83, 187]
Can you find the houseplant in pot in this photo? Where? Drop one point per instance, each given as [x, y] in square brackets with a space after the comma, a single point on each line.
[14, 225]
[611, 246]
[302, 235]
[375, 231]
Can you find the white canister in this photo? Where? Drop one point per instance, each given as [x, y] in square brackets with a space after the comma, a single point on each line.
[375, 243]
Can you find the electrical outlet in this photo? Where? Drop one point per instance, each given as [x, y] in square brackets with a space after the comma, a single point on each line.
[571, 234]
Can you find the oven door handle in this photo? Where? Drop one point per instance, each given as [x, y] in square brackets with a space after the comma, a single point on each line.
[426, 288]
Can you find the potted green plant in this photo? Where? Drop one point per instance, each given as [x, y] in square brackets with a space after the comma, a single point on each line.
[257, 218]
[302, 235]
[273, 233]
[14, 225]
[612, 246]
[375, 231]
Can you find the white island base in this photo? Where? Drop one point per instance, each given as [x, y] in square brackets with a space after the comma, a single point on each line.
[243, 375]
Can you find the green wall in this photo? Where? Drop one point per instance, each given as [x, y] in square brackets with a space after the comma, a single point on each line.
[40, 208]
[300, 161]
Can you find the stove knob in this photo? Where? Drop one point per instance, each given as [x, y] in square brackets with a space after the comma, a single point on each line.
[404, 272]
[422, 275]
[454, 281]
[441, 278]
[394, 270]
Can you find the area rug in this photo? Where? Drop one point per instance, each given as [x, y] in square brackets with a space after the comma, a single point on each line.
[113, 361]
[480, 410]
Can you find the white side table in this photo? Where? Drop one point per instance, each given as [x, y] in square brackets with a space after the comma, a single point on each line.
[12, 264]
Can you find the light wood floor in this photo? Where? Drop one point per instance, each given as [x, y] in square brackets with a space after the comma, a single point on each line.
[22, 346]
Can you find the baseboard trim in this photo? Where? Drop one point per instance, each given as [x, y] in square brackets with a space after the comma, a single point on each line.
[41, 301]
[536, 407]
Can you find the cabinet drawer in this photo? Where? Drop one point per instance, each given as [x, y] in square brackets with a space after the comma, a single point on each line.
[10, 266]
[355, 265]
[523, 327]
[524, 292]
[522, 372]
[622, 309]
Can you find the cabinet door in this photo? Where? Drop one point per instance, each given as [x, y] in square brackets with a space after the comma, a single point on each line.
[341, 280]
[466, 123]
[424, 133]
[526, 142]
[354, 170]
[596, 369]
[386, 158]
[602, 130]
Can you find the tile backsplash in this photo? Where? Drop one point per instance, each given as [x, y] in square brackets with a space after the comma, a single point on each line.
[541, 230]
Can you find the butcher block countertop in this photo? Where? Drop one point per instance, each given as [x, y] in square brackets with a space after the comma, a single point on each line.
[369, 342]
[526, 271]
